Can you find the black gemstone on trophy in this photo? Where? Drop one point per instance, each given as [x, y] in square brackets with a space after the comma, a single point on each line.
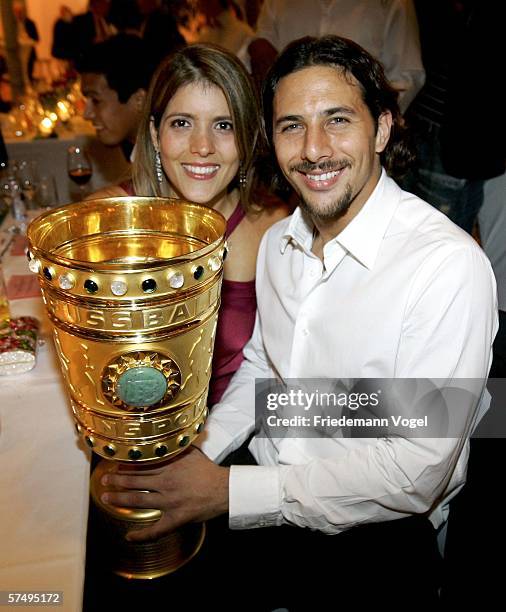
[184, 441]
[225, 253]
[149, 285]
[90, 286]
[109, 451]
[29, 255]
[199, 427]
[47, 273]
[197, 273]
[134, 453]
[89, 441]
[161, 450]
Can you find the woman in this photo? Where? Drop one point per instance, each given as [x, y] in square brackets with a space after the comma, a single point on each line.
[197, 141]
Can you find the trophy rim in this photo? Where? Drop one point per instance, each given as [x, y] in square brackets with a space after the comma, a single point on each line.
[35, 231]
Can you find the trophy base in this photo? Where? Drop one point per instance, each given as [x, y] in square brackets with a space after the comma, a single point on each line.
[141, 560]
[150, 560]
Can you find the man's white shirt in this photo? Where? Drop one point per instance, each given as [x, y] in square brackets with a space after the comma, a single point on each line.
[402, 293]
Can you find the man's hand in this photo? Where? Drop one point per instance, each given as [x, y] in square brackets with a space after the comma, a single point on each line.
[190, 488]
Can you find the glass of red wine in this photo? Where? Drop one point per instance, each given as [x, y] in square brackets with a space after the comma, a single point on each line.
[79, 167]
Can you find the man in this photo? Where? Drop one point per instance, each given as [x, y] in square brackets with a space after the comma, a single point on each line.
[115, 76]
[223, 26]
[27, 34]
[460, 40]
[91, 27]
[159, 28]
[363, 281]
[63, 45]
[388, 29]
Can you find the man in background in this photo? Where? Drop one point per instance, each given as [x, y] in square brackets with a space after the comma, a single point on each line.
[115, 76]
[388, 29]
[27, 35]
[91, 27]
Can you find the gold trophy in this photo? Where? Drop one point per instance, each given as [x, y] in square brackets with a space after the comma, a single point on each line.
[132, 288]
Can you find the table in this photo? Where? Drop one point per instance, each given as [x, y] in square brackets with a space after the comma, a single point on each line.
[109, 163]
[44, 477]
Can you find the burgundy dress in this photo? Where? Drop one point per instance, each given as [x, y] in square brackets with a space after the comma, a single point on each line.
[235, 321]
[235, 324]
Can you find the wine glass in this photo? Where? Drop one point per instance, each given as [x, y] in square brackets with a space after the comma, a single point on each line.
[79, 167]
[47, 194]
[28, 178]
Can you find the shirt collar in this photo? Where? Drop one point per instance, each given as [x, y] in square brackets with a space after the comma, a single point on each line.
[300, 229]
[363, 236]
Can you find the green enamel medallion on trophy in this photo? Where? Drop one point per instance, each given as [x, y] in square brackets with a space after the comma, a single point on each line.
[142, 386]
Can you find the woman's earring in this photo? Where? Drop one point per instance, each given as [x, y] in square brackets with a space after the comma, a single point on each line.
[158, 168]
[242, 177]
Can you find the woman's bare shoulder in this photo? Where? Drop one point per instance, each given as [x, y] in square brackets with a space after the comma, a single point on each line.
[111, 191]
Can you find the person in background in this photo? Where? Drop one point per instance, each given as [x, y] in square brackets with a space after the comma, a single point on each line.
[465, 580]
[386, 28]
[27, 34]
[115, 76]
[198, 141]
[63, 46]
[4, 156]
[250, 10]
[91, 27]
[363, 281]
[125, 16]
[492, 224]
[5, 105]
[463, 47]
[224, 26]
[159, 27]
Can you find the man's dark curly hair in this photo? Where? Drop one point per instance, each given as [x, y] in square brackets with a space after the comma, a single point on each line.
[352, 59]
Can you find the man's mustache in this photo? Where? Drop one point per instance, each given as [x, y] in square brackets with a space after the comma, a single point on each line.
[325, 166]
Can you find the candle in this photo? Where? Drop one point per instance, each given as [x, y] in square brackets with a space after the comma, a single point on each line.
[46, 126]
[63, 110]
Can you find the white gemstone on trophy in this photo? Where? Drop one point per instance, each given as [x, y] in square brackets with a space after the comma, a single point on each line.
[176, 280]
[66, 281]
[214, 263]
[119, 287]
[34, 265]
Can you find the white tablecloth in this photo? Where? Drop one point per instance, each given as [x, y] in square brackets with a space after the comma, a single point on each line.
[44, 474]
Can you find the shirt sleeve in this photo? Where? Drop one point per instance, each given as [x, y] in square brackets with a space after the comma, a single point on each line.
[401, 54]
[448, 329]
[232, 420]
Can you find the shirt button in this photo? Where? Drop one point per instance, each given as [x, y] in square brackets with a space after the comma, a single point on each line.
[305, 332]
[312, 273]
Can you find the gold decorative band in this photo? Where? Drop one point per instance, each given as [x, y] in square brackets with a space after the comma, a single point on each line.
[140, 440]
[133, 426]
[125, 320]
[121, 285]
